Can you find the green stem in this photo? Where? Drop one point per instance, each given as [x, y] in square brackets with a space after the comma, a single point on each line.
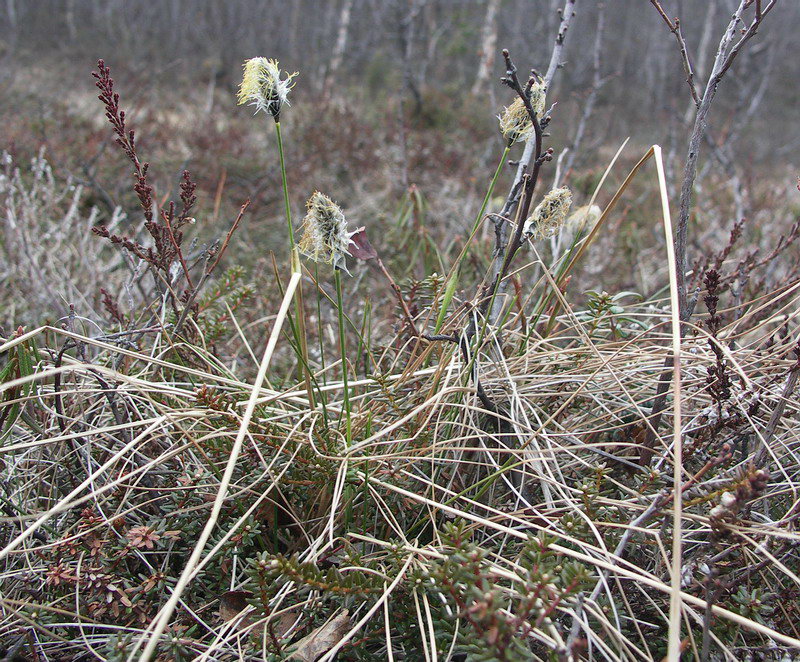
[348, 489]
[298, 326]
[342, 350]
[286, 204]
[452, 283]
[490, 191]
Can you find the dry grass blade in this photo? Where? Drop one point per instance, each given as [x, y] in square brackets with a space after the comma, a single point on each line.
[675, 615]
[160, 623]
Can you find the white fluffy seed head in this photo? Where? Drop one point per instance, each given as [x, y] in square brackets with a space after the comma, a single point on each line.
[515, 121]
[263, 87]
[549, 215]
[325, 234]
[582, 220]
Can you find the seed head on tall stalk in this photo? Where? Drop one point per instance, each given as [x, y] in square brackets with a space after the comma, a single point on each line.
[327, 239]
[263, 87]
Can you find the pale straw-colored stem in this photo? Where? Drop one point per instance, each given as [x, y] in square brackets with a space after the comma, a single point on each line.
[675, 602]
[159, 624]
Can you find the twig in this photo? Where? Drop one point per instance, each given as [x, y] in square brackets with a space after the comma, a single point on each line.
[398, 293]
[588, 106]
[712, 591]
[575, 629]
[675, 28]
[777, 414]
[726, 54]
[724, 58]
[521, 189]
[504, 253]
[210, 270]
[567, 14]
[166, 217]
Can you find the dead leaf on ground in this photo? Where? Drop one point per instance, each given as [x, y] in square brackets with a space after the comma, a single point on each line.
[311, 647]
[233, 603]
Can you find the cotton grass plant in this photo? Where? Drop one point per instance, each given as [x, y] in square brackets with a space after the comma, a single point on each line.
[263, 88]
[326, 239]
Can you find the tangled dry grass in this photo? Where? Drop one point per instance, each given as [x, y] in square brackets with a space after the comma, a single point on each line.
[114, 452]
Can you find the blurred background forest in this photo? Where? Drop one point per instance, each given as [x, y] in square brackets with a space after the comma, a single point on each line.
[435, 54]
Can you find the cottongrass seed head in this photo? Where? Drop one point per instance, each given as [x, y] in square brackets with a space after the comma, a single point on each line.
[549, 215]
[325, 235]
[582, 220]
[515, 122]
[263, 87]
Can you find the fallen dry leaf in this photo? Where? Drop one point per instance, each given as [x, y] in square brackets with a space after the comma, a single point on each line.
[232, 603]
[321, 640]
